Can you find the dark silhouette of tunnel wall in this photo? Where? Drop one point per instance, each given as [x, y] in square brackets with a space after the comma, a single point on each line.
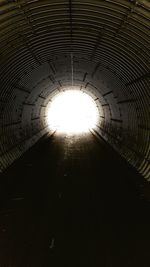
[110, 43]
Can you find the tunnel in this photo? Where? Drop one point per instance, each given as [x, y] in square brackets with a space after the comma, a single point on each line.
[102, 48]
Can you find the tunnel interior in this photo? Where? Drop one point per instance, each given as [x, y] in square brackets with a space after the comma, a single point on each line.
[103, 46]
[70, 200]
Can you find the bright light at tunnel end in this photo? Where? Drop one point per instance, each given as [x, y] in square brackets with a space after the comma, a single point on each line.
[72, 111]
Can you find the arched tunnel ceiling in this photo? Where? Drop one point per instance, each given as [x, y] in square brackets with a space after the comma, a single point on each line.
[109, 42]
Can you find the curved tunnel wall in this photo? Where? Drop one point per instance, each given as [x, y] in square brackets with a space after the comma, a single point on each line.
[110, 43]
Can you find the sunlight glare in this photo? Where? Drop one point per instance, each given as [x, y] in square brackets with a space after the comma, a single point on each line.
[72, 111]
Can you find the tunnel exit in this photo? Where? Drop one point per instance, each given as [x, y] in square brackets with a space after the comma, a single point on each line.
[72, 111]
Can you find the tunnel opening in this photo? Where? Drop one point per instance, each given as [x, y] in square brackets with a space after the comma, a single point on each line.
[72, 111]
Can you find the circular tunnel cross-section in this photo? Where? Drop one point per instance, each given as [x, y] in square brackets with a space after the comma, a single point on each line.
[103, 47]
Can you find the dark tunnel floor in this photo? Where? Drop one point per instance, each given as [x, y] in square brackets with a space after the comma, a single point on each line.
[71, 201]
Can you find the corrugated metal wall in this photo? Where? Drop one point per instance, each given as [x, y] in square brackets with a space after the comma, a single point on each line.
[110, 44]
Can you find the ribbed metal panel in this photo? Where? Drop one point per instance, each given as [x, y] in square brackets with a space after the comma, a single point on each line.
[110, 43]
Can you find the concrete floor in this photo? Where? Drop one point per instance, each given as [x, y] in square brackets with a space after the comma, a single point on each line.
[71, 201]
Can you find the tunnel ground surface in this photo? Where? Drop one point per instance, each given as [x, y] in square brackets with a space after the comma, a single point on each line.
[72, 201]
